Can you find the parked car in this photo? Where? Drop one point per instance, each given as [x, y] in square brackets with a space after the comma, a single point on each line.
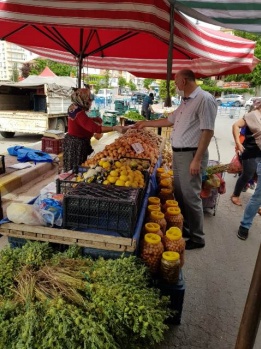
[238, 100]
[138, 96]
[250, 101]
[104, 96]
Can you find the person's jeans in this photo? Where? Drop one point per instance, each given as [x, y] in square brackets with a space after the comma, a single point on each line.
[255, 201]
[249, 169]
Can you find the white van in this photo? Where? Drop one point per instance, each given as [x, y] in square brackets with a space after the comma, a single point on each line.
[104, 95]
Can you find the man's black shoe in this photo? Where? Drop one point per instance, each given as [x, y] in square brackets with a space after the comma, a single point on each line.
[191, 245]
[185, 234]
[242, 233]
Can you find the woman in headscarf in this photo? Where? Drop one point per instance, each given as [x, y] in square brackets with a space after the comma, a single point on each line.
[81, 128]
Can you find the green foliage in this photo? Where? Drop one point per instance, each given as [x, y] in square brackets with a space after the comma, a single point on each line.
[254, 77]
[132, 86]
[216, 91]
[15, 73]
[122, 82]
[134, 115]
[59, 69]
[112, 305]
[209, 82]
[147, 83]
[163, 89]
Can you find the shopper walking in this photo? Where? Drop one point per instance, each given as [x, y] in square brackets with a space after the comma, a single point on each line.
[193, 127]
[252, 207]
[249, 151]
[253, 121]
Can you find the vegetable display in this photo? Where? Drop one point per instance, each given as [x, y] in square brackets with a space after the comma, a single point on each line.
[134, 116]
[61, 300]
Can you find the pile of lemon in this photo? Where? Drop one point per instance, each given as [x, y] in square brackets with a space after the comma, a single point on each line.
[122, 175]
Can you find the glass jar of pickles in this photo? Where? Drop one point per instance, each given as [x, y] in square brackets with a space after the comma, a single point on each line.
[170, 267]
[174, 217]
[153, 200]
[165, 194]
[153, 228]
[158, 217]
[151, 208]
[151, 252]
[173, 241]
[169, 203]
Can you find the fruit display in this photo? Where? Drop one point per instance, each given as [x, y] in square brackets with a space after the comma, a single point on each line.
[122, 172]
[123, 147]
[167, 155]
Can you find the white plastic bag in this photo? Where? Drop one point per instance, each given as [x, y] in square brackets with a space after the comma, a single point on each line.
[24, 213]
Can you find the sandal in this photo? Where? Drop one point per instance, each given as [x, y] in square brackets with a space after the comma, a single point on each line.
[236, 200]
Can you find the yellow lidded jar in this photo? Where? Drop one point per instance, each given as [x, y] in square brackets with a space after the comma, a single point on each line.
[159, 171]
[153, 200]
[174, 217]
[158, 217]
[151, 251]
[173, 241]
[170, 266]
[165, 194]
[169, 203]
[154, 228]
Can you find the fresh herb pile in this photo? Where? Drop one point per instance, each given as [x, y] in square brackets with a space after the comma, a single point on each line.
[62, 300]
[133, 115]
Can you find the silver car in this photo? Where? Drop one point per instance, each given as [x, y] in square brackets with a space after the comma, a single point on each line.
[236, 100]
[250, 101]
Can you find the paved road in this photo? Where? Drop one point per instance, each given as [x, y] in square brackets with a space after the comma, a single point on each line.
[218, 276]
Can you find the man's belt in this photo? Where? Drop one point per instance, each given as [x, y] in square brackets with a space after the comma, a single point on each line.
[183, 149]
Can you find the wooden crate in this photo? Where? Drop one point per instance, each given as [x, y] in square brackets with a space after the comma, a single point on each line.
[69, 237]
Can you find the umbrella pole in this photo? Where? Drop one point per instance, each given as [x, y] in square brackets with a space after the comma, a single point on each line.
[170, 57]
[80, 62]
[252, 312]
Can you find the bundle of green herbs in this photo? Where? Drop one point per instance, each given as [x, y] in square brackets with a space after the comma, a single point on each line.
[65, 301]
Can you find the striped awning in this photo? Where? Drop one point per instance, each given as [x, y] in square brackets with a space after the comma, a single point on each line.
[148, 68]
[105, 28]
[242, 14]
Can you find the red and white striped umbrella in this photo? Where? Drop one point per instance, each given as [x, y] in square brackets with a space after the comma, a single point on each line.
[148, 68]
[137, 29]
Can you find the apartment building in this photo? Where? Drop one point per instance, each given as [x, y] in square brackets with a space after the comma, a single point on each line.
[12, 58]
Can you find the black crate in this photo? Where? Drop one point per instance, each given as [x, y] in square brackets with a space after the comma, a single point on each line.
[106, 208]
[176, 293]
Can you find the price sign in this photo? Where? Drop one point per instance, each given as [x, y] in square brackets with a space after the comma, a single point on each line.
[138, 148]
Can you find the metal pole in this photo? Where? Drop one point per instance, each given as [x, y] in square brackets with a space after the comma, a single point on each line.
[170, 56]
[252, 312]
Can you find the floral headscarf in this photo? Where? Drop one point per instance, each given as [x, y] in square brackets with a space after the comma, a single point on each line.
[82, 99]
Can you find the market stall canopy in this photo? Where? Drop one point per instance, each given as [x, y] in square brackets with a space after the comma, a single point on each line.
[242, 15]
[149, 68]
[58, 85]
[137, 29]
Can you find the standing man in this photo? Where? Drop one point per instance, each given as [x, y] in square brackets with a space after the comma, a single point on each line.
[146, 106]
[193, 127]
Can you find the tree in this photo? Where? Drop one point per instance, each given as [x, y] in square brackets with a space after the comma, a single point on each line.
[122, 82]
[255, 75]
[15, 73]
[107, 78]
[132, 86]
[25, 70]
[163, 89]
[147, 83]
[38, 65]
